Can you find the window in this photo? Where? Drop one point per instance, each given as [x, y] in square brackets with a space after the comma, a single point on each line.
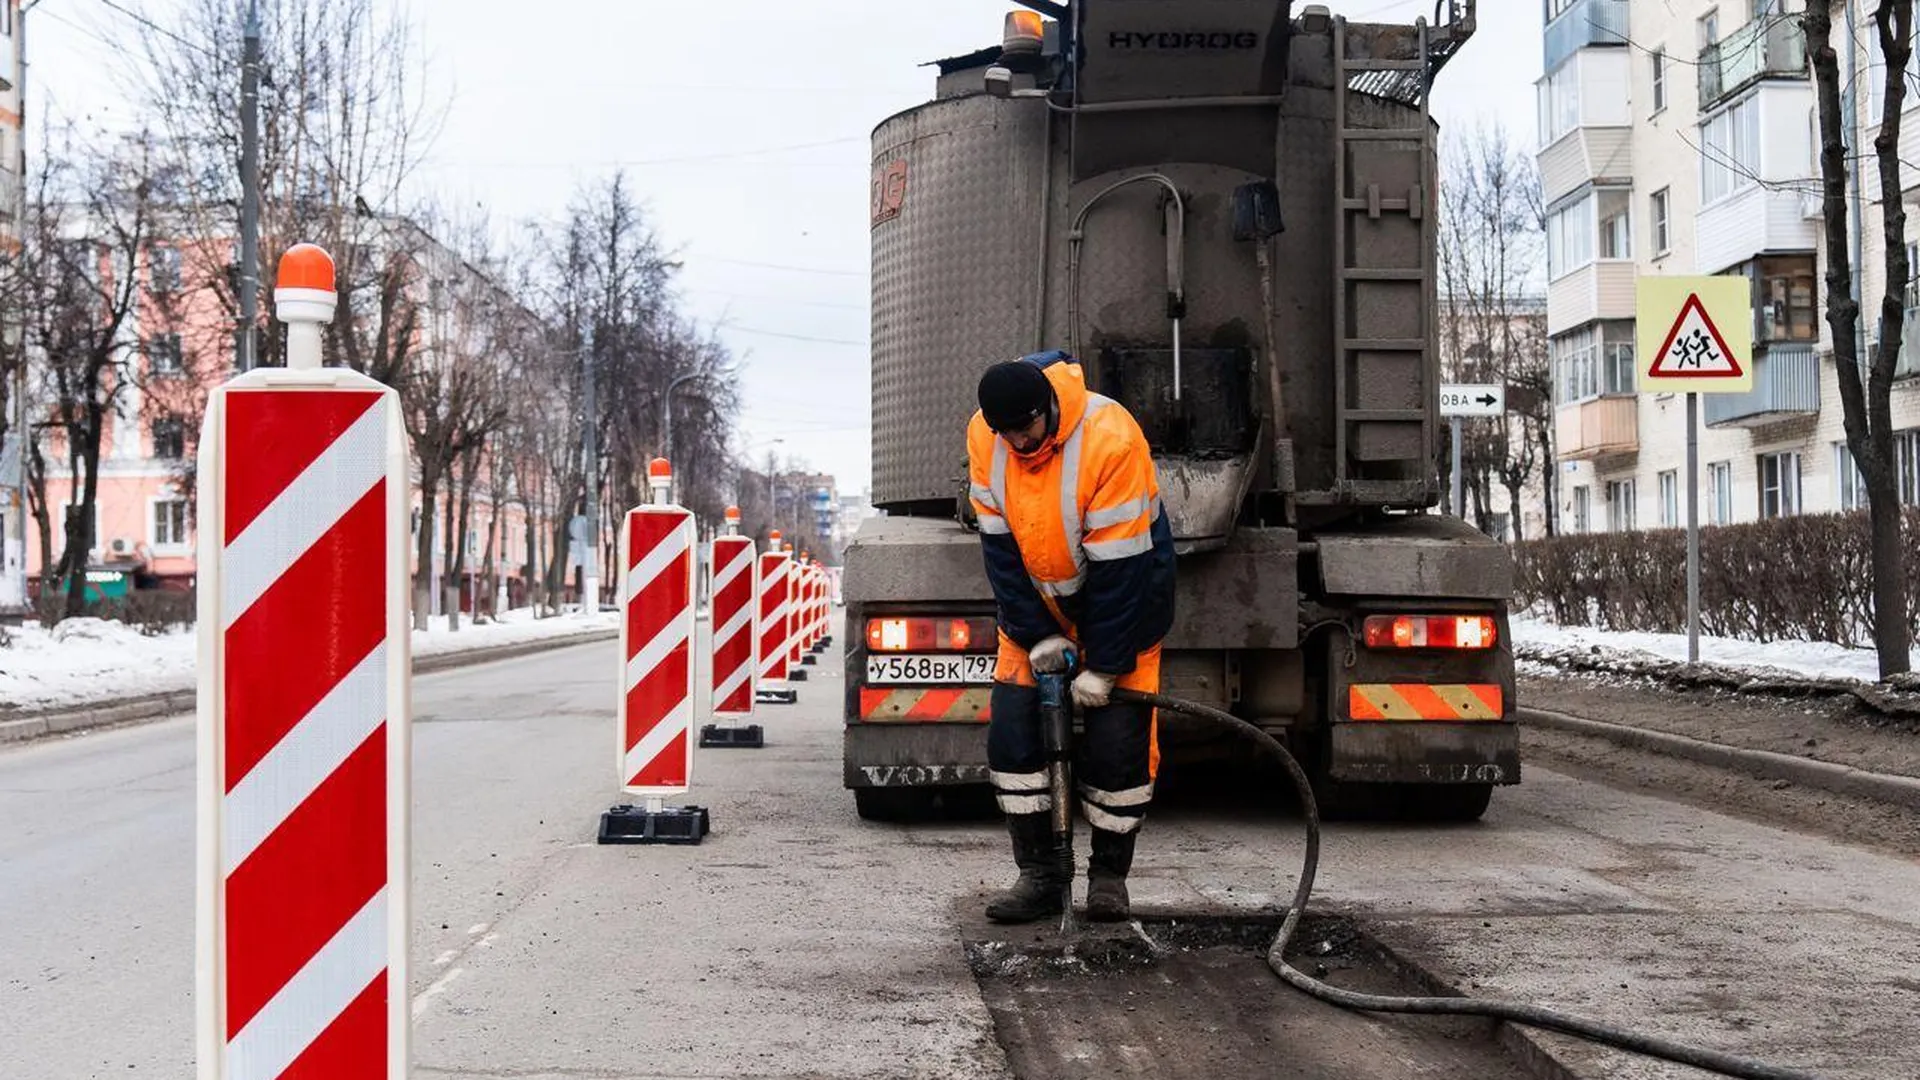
[1720, 493]
[169, 439]
[1787, 299]
[1582, 509]
[1569, 238]
[1615, 210]
[1560, 101]
[1593, 360]
[163, 354]
[1657, 209]
[1620, 496]
[1670, 499]
[169, 523]
[163, 268]
[1710, 28]
[1659, 79]
[1557, 8]
[1779, 484]
[1906, 456]
[1850, 488]
[1730, 151]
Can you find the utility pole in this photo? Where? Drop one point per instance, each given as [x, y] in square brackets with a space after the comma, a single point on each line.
[247, 355]
[21, 424]
[590, 584]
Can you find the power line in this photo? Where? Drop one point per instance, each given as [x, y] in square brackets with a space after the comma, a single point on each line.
[782, 266]
[686, 159]
[794, 337]
[779, 300]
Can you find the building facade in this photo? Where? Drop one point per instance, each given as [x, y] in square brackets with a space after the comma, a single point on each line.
[179, 345]
[1680, 137]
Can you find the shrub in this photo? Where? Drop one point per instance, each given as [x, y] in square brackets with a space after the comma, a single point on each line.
[1805, 578]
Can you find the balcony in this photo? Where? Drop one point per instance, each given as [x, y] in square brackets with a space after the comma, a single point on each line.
[1786, 383]
[1770, 46]
[1746, 223]
[1597, 427]
[1583, 23]
[1603, 289]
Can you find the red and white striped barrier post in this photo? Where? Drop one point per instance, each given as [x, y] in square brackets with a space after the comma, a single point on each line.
[795, 617]
[655, 746]
[733, 600]
[302, 766]
[776, 586]
[803, 629]
[822, 610]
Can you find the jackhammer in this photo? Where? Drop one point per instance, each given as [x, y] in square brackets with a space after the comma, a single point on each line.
[1056, 723]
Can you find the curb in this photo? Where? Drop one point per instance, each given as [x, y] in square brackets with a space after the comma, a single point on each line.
[1766, 764]
[59, 721]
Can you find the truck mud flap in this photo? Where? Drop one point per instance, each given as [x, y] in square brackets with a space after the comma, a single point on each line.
[1425, 752]
[917, 755]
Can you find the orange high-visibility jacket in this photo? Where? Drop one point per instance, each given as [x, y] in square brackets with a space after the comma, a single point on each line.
[1075, 539]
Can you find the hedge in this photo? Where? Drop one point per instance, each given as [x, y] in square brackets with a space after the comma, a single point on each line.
[1806, 578]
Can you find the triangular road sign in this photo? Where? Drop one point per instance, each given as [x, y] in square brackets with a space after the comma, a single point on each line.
[1694, 348]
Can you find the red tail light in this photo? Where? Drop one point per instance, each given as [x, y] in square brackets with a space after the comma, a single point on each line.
[1431, 632]
[918, 634]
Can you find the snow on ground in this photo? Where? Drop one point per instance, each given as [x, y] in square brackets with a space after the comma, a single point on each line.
[1536, 639]
[88, 660]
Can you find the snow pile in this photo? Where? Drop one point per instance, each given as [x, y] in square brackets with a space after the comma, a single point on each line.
[1627, 651]
[83, 661]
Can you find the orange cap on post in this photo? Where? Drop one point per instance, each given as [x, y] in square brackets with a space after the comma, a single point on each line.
[659, 469]
[773, 535]
[733, 515]
[306, 266]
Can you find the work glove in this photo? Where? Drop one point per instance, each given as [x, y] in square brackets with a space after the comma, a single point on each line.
[1092, 689]
[1050, 655]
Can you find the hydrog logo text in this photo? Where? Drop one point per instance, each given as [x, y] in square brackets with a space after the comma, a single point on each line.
[1183, 40]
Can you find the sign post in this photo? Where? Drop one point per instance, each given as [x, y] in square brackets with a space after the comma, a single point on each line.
[303, 740]
[1695, 336]
[1459, 400]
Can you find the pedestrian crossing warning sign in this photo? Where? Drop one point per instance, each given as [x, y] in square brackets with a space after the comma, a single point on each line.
[1696, 334]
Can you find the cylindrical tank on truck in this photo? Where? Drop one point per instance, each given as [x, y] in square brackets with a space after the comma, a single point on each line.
[1225, 211]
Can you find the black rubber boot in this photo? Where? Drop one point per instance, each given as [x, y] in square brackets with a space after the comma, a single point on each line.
[1037, 894]
[1107, 868]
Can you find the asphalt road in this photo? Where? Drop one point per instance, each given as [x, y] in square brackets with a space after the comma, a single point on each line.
[799, 940]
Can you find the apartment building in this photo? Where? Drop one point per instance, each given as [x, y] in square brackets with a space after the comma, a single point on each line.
[179, 344]
[1680, 137]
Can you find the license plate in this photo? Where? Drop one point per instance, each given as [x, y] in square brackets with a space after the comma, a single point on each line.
[923, 668]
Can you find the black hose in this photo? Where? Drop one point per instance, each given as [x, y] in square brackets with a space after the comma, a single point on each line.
[1529, 1015]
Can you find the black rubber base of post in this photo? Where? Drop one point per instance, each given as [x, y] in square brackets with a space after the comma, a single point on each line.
[777, 697]
[810, 659]
[750, 737]
[795, 675]
[672, 825]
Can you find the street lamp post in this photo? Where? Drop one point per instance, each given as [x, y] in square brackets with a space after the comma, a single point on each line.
[666, 422]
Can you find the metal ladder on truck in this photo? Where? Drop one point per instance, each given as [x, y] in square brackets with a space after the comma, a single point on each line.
[1384, 261]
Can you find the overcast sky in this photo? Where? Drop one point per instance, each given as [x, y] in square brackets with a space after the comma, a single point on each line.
[730, 117]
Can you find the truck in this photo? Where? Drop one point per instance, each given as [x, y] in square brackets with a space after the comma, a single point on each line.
[1226, 212]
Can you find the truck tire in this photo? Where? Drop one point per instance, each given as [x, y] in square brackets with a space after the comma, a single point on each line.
[892, 804]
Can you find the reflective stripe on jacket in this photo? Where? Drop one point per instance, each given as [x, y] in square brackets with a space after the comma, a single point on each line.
[1074, 536]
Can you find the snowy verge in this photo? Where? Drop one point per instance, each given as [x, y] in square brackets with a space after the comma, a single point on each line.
[87, 661]
[1792, 667]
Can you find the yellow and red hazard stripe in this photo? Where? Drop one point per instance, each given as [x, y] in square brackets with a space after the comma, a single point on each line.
[1425, 701]
[923, 703]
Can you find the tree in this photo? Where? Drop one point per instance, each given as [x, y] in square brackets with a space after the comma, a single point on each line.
[78, 281]
[1867, 407]
[342, 129]
[1493, 326]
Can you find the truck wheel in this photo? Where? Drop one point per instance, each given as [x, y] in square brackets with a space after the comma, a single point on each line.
[891, 804]
[1449, 802]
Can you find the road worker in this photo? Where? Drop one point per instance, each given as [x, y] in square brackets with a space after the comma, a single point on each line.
[1080, 557]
